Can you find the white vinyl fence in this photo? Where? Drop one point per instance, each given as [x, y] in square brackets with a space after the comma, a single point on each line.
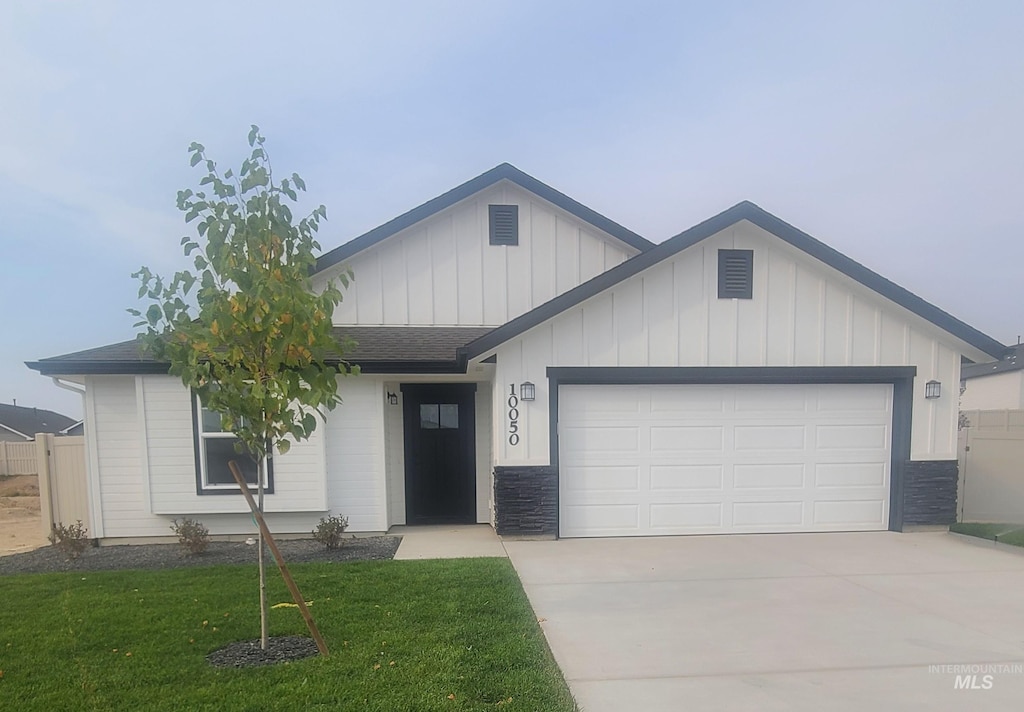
[992, 467]
[63, 488]
[18, 458]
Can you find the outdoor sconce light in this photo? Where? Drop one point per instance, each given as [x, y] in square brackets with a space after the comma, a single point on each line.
[527, 391]
[392, 398]
[932, 389]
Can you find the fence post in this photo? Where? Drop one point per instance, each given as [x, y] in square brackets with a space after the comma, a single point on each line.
[3, 458]
[43, 444]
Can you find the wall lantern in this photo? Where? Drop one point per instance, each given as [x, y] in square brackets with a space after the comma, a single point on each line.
[392, 398]
[527, 391]
[932, 389]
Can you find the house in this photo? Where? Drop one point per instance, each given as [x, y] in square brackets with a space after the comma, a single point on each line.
[995, 385]
[530, 363]
[20, 424]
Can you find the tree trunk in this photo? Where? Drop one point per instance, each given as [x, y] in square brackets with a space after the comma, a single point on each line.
[264, 612]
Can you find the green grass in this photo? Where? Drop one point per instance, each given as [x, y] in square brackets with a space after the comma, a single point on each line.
[1003, 533]
[404, 635]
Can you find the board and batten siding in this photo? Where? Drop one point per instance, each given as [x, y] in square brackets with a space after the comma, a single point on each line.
[443, 271]
[803, 313]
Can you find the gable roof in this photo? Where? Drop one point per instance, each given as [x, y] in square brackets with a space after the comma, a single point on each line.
[505, 171]
[1013, 360]
[379, 349]
[765, 220]
[26, 422]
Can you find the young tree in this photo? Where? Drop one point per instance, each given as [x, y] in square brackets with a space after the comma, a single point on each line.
[253, 340]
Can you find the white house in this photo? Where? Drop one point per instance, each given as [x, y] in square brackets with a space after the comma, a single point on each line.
[995, 385]
[530, 363]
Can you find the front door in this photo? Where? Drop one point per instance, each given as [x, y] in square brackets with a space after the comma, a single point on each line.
[440, 453]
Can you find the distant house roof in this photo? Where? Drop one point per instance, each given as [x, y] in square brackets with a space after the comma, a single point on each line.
[768, 222]
[379, 349]
[1012, 361]
[505, 171]
[26, 422]
[77, 428]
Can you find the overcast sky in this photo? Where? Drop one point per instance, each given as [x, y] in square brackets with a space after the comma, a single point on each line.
[893, 131]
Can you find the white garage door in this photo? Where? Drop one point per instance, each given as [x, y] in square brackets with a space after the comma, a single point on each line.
[711, 459]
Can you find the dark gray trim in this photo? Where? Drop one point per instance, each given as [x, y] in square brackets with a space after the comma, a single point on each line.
[765, 220]
[901, 378]
[505, 171]
[203, 491]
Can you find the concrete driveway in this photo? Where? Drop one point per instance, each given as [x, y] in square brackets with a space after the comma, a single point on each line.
[781, 622]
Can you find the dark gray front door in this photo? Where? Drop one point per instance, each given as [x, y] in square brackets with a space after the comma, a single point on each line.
[440, 453]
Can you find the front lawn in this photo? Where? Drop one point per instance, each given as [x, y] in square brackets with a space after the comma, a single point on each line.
[404, 635]
[1003, 533]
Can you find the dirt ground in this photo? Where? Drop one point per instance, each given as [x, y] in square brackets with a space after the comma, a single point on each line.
[20, 526]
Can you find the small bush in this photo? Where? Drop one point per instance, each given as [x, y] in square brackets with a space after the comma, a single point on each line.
[329, 530]
[192, 535]
[71, 539]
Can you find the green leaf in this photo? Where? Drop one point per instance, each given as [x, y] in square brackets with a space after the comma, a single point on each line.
[196, 158]
[153, 314]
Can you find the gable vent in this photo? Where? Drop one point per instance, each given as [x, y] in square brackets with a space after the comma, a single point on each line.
[735, 274]
[504, 224]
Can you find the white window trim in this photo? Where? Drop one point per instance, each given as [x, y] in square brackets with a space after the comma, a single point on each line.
[202, 436]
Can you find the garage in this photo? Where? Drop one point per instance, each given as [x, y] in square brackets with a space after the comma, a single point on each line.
[668, 459]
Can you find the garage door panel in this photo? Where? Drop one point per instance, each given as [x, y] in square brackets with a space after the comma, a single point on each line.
[608, 519]
[767, 476]
[674, 439]
[686, 477]
[685, 459]
[603, 478]
[850, 474]
[851, 437]
[602, 438]
[856, 513]
[683, 518]
[768, 437]
[767, 515]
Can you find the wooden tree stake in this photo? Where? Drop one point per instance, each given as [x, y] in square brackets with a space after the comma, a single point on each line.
[285, 574]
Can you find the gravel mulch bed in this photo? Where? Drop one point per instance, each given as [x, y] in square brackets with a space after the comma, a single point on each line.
[247, 653]
[172, 556]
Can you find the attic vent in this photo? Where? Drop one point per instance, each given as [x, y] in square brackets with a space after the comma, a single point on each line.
[735, 274]
[504, 221]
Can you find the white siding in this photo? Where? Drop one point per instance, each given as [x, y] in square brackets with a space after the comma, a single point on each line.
[356, 484]
[394, 434]
[803, 313]
[1000, 391]
[122, 503]
[442, 271]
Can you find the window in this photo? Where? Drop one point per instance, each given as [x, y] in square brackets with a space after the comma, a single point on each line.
[735, 274]
[439, 416]
[214, 448]
[504, 224]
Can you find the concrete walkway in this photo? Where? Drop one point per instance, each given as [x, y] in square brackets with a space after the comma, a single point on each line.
[838, 622]
[448, 542]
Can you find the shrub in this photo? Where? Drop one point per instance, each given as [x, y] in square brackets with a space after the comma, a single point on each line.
[192, 535]
[71, 539]
[329, 530]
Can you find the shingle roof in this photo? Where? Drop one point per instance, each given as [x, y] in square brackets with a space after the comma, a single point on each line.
[504, 171]
[379, 349]
[1012, 361]
[29, 421]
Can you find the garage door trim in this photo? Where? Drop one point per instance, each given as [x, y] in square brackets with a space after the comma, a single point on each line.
[900, 377]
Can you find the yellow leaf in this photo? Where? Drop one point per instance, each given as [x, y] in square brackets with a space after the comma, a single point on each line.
[214, 328]
[451, 696]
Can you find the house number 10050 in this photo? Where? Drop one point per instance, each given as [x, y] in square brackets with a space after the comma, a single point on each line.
[513, 415]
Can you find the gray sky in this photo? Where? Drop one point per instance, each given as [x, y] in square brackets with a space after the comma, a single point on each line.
[893, 131]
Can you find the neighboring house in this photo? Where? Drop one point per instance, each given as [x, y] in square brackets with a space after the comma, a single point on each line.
[528, 362]
[76, 428]
[20, 424]
[995, 385]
